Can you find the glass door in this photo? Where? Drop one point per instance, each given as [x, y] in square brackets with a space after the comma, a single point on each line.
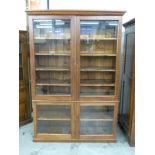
[53, 119]
[52, 46]
[98, 46]
[96, 120]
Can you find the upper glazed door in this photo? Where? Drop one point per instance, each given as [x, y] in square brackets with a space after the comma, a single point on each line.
[53, 57]
[98, 54]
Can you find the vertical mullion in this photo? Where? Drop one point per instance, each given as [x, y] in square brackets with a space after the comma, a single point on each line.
[77, 106]
[117, 73]
[73, 76]
[78, 120]
[115, 119]
[35, 118]
[72, 53]
[78, 56]
[32, 57]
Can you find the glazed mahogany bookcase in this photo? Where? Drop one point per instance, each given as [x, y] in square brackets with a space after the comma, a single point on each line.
[75, 74]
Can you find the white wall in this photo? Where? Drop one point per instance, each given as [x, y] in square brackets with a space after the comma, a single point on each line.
[21, 14]
[96, 5]
[83, 5]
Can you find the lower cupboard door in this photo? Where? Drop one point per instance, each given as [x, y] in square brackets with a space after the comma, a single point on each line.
[97, 121]
[54, 119]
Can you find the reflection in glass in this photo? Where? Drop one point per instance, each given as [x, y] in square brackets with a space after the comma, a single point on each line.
[98, 29]
[52, 29]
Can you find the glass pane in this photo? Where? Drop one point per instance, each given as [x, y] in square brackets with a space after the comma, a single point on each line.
[96, 90]
[96, 120]
[52, 50]
[55, 90]
[98, 41]
[97, 63]
[53, 119]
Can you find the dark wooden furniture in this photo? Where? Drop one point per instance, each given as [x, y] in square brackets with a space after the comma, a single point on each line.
[75, 74]
[24, 88]
[127, 95]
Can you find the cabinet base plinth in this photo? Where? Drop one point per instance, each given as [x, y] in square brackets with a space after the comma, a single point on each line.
[50, 139]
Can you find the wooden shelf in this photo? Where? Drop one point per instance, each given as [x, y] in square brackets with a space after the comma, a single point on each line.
[53, 127]
[97, 54]
[56, 114]
[96, 83]
[96, 120]
[52, 83]
[94, 94]
[53, 53]
[97, 69]
[94, 114]
[53, 119]
[52, 38]
[95, 37]
[51, 69]
[55, 94]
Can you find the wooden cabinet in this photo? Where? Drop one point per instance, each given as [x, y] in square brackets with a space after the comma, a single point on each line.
[25, 107]
[127, 95]
[75, 74]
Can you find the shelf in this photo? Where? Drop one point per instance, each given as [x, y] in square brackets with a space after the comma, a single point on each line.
[96, 120]
[93, 114]
[56, 113]
[54, 94]
[57, 90]
[51, 69]
[100, 94]
[95, 37]
[96, 83]
[97, 69]
[53, 127]
[89, 81]
[52, 83]
[54, 53]
[97, 54]
[52, 38]
[53, 119]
